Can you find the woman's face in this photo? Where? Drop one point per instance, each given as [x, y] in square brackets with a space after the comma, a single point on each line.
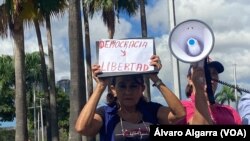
[128, 90]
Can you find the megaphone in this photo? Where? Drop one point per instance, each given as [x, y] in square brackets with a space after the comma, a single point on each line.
[191, 41]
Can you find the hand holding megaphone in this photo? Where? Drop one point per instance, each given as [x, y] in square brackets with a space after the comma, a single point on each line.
[198, 77]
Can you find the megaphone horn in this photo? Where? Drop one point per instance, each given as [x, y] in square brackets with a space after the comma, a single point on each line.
[191, 41]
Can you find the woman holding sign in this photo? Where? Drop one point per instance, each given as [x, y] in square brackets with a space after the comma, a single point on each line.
[127, 114]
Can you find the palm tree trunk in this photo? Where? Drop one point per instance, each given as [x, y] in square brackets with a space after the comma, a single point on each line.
[20, 92]
[143, 19]
[77, 83]
[144, 35]
[88, 58]
[88, 52]
[45, 80]
[52, 90]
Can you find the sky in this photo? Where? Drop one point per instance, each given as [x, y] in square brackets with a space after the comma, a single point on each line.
[228, 19]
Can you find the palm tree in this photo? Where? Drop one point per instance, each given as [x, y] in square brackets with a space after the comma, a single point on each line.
[88, 49]
[225, 95]
[15, 13]
[52, 90]
[12, 17]
[33, 81]
[44, 78]
[143, 19]
[33, 67]
[144, 35]
[89, 91]
[77, 85]
[44, 9]
[32, 8]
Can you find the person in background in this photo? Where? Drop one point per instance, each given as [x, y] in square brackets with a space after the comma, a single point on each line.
[244, 108]
[127, 114]
[198, 108]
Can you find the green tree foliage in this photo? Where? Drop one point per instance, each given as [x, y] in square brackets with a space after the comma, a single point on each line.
[7, 134]
[63, 109]
[7, 110]
[32, 79]
[33, 68]
[111, 9]
[225, 95]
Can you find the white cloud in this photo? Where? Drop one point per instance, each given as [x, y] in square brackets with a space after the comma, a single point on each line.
[158, 16]
[6, 47]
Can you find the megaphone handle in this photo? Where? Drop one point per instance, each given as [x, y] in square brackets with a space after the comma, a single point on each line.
[208, 82]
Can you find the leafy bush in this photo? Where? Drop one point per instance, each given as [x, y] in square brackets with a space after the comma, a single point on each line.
[7, 134]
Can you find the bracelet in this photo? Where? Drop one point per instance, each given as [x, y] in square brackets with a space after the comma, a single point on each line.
[157, 83]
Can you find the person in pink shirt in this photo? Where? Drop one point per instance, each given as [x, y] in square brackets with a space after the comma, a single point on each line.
[199, 111]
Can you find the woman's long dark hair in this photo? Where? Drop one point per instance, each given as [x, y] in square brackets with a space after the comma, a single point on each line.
[188, 90]
[189, 87]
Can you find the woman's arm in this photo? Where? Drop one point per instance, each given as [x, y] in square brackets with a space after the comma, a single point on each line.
[201, 114]
[88, 122]
[175, 111]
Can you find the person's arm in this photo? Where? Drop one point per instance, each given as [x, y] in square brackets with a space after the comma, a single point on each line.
[245, 120]
[175, 111]
[89, 123]
[201, 114]
[244, 109]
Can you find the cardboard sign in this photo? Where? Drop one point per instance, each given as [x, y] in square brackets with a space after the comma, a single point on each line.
[125, 56]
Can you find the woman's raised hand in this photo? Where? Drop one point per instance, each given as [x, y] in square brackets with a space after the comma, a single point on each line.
[96, 69]
[155, 61]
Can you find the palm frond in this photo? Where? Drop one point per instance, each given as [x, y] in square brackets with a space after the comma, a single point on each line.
[226, 94]
[3, 21]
